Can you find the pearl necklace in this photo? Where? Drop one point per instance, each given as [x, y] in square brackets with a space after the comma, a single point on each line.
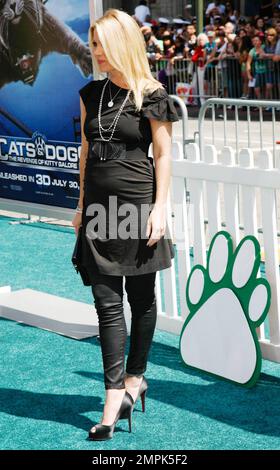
[116, 118]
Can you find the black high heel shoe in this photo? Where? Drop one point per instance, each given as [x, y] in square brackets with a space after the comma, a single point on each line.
[142, 393]
[103, 431]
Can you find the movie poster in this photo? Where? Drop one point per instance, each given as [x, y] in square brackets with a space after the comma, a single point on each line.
[44, 61]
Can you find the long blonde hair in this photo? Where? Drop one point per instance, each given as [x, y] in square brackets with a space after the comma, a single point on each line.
[273, 32]
[125, 49]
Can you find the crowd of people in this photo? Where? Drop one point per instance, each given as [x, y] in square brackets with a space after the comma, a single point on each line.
[239, 57]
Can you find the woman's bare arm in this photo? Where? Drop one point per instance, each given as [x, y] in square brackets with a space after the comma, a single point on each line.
[248, 66]
[162, 132]
[84, 152]
[77, 220]
[162, 144]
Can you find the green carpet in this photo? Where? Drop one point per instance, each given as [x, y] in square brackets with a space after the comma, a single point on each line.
[52, 390]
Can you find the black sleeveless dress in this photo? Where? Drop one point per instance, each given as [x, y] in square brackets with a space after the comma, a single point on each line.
[132, 181]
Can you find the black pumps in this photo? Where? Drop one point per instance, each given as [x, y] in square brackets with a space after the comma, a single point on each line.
[103, 431]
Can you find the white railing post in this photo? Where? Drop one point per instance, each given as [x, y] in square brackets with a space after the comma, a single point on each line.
[231, 197]
[269, 224]
[196, 198]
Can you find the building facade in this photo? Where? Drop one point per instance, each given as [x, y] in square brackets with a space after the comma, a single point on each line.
[166, 8]
[174, 8]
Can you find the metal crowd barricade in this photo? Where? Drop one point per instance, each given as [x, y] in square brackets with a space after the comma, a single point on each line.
[266, 76]
[230, 78]
[226, 78]
[183, 71]
[254, 130]
[234, 81]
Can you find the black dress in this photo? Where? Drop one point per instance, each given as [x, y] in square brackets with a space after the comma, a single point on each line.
[132, 181]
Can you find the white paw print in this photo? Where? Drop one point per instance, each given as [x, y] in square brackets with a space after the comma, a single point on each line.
[227, 302]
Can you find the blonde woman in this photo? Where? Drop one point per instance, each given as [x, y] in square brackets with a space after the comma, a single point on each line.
[121, 116]
[269, 52]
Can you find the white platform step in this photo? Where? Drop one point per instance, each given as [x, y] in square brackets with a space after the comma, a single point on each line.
[77, 320]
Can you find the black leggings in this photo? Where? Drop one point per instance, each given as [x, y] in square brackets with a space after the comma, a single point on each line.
[108, 299]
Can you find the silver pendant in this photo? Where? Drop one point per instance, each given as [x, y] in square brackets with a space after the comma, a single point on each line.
[110, 104]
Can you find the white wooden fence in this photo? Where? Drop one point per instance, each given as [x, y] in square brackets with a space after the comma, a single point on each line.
[228, 190]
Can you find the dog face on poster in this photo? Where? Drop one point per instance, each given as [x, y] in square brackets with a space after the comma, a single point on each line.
[28, 32]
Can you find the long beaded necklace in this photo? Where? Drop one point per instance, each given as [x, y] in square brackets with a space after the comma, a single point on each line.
[116, 118]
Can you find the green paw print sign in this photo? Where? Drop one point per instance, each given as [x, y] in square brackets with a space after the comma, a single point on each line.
[227, 302]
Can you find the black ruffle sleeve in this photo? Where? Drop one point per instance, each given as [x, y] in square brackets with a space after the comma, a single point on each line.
[85, 92]
[158, 105]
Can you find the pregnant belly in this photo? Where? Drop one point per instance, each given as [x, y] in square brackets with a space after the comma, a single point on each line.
[130, 181]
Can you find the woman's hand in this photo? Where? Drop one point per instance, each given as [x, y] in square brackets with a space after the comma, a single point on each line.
[250, 76]
[77, 221]
[156, 224]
